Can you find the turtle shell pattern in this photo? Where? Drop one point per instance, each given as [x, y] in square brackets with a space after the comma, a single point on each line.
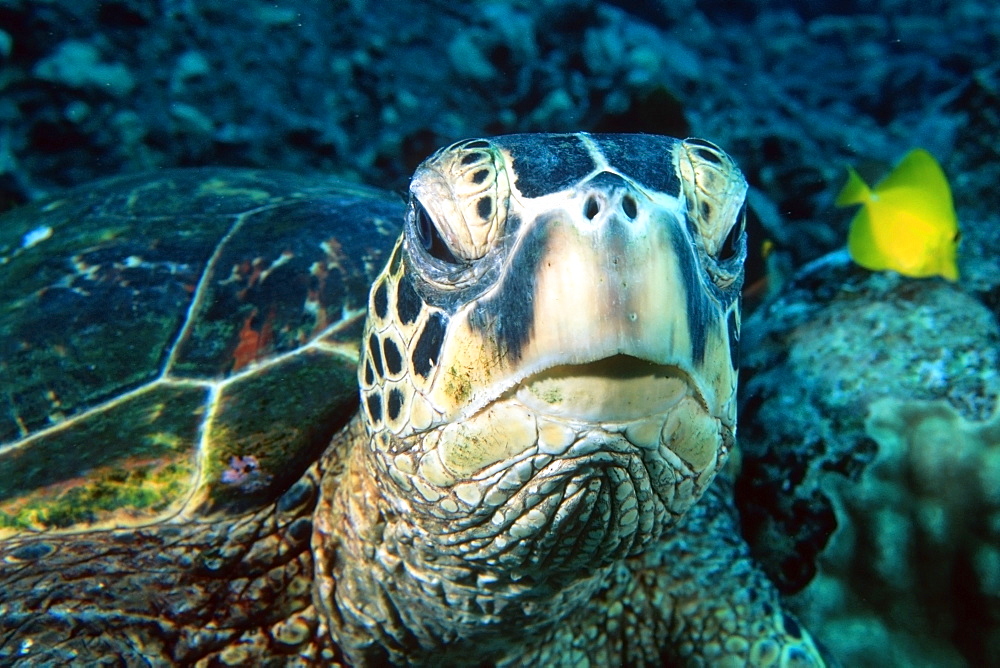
[178, 345]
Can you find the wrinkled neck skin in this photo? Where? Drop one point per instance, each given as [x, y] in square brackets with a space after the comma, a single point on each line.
[409, 575]
[540, 402]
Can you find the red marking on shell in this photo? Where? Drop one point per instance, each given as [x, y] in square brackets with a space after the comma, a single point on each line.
[253, 344]
[335, 256]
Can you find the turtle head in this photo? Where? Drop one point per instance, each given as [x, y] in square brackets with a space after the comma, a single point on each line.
[549, 367]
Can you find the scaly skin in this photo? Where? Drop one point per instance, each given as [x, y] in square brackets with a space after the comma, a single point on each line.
[181, 593]
[696, 599]
[396, 593]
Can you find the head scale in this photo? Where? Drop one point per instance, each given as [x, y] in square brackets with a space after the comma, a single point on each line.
[548, 368]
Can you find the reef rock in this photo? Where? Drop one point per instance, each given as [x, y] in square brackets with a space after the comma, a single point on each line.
[880, 394]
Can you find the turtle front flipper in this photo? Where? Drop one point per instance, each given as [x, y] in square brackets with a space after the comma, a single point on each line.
[182, 593]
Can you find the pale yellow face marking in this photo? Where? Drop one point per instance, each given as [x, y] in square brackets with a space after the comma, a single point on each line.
[613, 389]
[500, 432]
[603, 297]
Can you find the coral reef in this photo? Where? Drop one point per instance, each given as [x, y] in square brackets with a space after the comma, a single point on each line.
[794, 92]
[870, 429]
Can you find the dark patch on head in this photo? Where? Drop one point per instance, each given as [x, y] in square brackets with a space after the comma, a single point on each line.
[609, 182]
[428, 349]
[699, 311]
[393, 358]
[480, 176]
[546, 164]
[374, 403]
[369, 374]
[396, 259]
[407, 301]
[508, 314]
[484, 207]
[375, 354]
[732, 323]
[478, 143]
[791, 626]
[395, 403]
[470, 158]
[380, 300]
[648, 159]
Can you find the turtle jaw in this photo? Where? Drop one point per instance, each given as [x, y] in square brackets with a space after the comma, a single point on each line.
[576, 468]
[618, 388]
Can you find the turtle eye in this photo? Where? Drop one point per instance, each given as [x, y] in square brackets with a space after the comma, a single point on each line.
[730, 247]
[715, 191]
[429, 235]
[465, 194]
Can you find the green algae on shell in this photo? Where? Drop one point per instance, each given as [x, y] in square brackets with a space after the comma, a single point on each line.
[145, 325]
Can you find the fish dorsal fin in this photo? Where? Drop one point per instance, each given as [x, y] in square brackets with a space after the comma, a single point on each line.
[920, 174]
[855, 191]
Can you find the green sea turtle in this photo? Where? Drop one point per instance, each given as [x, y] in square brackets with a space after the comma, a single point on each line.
[547, 378]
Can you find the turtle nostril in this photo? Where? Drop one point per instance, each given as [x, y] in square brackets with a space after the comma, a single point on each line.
[591, 208]
[629, 207]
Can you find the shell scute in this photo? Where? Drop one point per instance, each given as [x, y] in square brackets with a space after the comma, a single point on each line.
[176, 343]
[71, 476]
[262, 440]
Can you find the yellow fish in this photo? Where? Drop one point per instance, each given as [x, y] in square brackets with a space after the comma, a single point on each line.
[907, 222]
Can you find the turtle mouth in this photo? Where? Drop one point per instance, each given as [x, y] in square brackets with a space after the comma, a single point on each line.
[618, 388]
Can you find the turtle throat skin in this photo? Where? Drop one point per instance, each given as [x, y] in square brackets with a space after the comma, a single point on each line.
[548, 384]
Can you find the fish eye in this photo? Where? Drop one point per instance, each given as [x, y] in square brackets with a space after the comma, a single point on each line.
[430, 238]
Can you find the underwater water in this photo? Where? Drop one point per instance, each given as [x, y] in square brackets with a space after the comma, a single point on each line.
[868, 479]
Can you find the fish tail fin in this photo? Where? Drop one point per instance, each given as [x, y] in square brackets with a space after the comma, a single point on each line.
[855, 191]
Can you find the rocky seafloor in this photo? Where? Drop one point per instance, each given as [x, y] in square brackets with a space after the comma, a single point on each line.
[881, 391]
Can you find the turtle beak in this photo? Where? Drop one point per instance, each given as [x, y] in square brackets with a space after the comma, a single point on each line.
[620, 388]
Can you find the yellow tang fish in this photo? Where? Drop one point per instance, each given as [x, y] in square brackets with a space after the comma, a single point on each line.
[907, 222]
